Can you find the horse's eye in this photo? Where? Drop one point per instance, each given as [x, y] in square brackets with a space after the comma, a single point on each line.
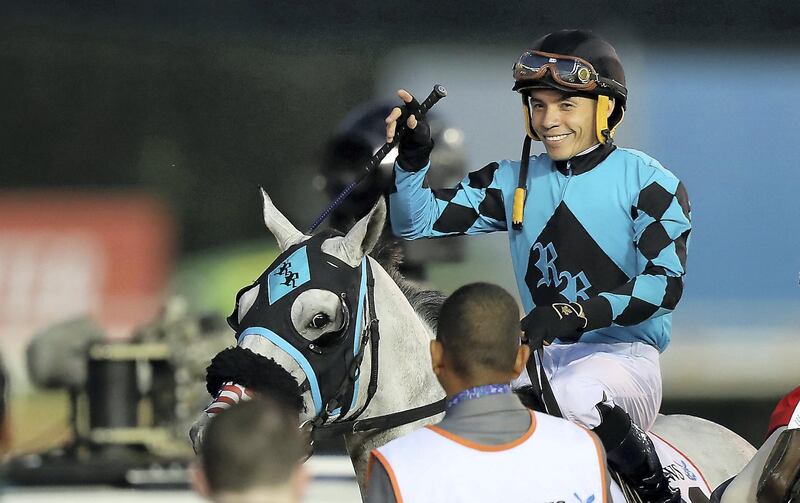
[319, 320]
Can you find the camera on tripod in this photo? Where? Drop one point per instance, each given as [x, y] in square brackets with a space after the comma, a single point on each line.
[131, 402]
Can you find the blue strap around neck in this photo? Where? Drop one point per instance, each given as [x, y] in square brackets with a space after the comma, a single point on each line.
[477, 392]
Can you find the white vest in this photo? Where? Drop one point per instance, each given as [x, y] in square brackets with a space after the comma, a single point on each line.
[554, 461]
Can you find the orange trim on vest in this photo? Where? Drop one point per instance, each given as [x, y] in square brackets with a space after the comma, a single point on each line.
[601, 454]
[370, 462]
[486, 448]
[386, 466]
[685, 456]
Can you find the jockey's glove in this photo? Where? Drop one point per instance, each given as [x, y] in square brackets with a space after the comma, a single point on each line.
[414, 151]
[563, 321]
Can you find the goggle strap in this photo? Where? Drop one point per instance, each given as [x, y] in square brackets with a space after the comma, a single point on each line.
[613, 85]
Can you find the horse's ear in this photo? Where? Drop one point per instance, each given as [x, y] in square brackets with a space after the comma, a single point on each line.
[360, 240]
[374, 226]
[285, 233]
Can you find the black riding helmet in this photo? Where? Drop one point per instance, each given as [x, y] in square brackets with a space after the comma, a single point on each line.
[603, 76]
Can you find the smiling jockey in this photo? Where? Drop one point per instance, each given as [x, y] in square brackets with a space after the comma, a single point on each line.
[598, 238]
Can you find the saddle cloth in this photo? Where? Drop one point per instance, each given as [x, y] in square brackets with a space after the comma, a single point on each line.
[681, 471]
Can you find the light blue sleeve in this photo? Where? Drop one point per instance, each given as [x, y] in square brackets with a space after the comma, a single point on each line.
[475, 206]
[662, 225]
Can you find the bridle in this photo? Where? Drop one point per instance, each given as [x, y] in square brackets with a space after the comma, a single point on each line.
[318, 426]
[334, 403]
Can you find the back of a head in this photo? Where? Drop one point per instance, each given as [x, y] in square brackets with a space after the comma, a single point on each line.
[257, 444]
[479, 330]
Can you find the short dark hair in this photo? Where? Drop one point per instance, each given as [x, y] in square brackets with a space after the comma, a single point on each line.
[479, 329]
[256, 443]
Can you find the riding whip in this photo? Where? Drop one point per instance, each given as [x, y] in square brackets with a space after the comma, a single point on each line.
[438, 93]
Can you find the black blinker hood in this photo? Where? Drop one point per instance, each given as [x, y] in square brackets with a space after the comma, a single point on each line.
[331, 367]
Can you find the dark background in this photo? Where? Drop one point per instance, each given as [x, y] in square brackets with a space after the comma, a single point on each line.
[201, 101]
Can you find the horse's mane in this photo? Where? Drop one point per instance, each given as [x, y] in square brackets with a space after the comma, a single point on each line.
[427, 304]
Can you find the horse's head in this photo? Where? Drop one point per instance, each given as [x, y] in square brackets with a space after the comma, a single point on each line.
[305, 320]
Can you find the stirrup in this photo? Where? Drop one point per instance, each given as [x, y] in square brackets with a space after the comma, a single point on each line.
[631, 495]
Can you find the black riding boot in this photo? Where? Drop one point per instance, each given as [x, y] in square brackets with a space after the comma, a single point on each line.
[632, 454]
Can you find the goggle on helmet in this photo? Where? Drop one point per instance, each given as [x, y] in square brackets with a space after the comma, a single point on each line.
[540, 70]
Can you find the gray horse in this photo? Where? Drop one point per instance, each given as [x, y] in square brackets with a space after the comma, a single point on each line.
[321, 315]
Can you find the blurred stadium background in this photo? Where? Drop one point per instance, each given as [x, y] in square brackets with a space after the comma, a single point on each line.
[134, 135]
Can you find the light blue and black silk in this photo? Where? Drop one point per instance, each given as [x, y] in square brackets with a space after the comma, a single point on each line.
[609, 231]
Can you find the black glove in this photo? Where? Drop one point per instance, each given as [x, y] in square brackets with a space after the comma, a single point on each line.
[414, 151]
[558, 321]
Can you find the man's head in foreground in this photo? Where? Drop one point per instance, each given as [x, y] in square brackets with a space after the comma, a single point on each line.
[252, 452]
[478, 339]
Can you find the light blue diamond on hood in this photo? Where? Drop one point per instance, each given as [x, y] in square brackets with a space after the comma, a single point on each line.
[288, 275]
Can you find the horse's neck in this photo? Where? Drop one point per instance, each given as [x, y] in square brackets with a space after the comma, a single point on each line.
[405, 377]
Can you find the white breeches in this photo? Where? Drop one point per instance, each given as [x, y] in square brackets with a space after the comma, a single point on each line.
[585, 374]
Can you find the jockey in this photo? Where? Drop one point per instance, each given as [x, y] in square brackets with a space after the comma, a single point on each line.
[475, 452]
[598, 238]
